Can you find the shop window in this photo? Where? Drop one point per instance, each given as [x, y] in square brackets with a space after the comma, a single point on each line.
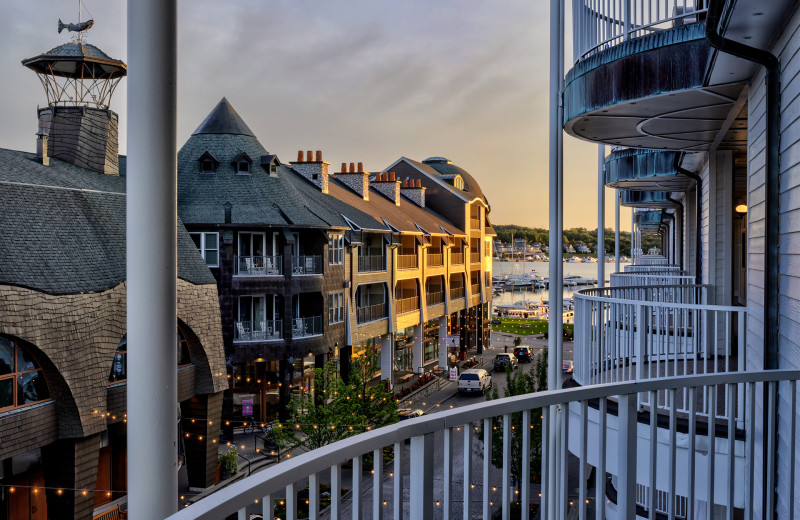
[22, 381]
[119, 367]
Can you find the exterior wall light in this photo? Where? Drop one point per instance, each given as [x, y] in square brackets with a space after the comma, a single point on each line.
[741, 209]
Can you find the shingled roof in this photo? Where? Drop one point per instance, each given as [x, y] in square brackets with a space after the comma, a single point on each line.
[223, 119]
[62, 228]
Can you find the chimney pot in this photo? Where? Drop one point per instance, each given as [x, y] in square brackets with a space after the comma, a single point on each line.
[300, 156]
[352, 168]
[360, 167]
[344, 168]
[309, 156]
[319, 155]
[419, 183]
[392, 177]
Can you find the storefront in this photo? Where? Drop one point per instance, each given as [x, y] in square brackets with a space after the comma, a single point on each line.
[403, 350]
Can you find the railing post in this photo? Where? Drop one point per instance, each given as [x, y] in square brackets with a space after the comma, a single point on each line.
[467, 471]
[336, 492]
[397, 496]
[506, 512]
[421, 471]
[447, 473]
[355, 496]
[487, 462]
[626, 465]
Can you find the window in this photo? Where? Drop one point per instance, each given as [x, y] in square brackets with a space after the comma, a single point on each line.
[208, 163]
[458, 182]
[335, 308]
[119, 367]
[243, 168]
[336, 249]
[21, 378]
[208, 245]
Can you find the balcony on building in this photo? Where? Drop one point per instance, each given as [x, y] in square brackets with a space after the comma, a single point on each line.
[475, 251]
[434, 254]
[457, 291]
[307, 310]
[475, 218]
[307, 249]
[644, 76]
[407, 253]
[371, 303]
[457, 252]
[435, 290]
[258, 318]
[407, 296]
[372, 253]
[258, 255]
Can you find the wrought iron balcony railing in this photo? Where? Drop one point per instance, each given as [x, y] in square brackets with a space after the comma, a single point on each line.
[262, 330]
[305, 265]
[599, 25]
[371, 263]
[305, 327]
[258, 265]
[447, 470]
[371, 313]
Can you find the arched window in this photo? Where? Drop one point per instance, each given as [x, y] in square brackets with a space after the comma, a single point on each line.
[22, 382]
[119, 367]
[458, 182]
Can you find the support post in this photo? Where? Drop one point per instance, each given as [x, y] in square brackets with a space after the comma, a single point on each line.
[616, 232]
[421, 470]
[151, 259]
[601, 216]
[387, 355]
[626, 490]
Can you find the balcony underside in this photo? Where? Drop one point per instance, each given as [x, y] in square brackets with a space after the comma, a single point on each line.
[644, 170]
[651, 92]
[646, 199]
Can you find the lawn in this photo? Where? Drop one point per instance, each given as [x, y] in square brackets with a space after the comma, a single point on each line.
[522, 326]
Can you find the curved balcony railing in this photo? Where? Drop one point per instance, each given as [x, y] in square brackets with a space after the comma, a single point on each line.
[651, 260]
[652, 268]
[601, 24]
[447, 467]
[646, 332]
[652, 277]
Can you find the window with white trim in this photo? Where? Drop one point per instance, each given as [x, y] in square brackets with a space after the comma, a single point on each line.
[336, 249]
[335, 308]
[208, 245]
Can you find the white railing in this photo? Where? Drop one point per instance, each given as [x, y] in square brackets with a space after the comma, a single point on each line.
[263, 330]
[258, 265]
[652, 268]
[451, 472]
[653, 277]
[305, 265]
[639, 333]
[601, 24]
[651, 260]
[304, 327]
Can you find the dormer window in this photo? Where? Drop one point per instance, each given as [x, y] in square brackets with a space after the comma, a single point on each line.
[208, 163]
[242, 164]
[458, 182]
[273, 169]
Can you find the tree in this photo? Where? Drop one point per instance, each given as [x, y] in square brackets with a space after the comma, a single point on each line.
[519, 383]
[336, 409]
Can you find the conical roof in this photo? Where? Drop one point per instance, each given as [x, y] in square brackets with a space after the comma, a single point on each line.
[76, 60]
[224, 120]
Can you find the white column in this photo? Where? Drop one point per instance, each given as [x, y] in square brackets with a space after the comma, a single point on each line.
[151, 260]
[616, 231]
[416, 349]
[601, 216]
[555, 318]
[387, 355]
[444, 356]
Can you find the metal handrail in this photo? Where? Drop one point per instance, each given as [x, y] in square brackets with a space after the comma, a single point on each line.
[258, 265]
[435, 298]
[260, 330]
[406, 261]
[600, 25]
[371, 313]
[304, 327]
[306, 264]
[456, 293]
[435, 259]
[371, 263]
[405, 305]
[650, 278]
[283, 478]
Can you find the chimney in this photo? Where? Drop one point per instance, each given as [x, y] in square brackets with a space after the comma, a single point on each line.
[389, 186]
[413, 190]
[314, 170]
[358, 181]
[41, 148]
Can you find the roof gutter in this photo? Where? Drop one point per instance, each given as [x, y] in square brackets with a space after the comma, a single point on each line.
[698, 249]
[679, 242]
[772, 167]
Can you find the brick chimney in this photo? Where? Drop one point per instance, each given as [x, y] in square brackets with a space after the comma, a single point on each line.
[355, 179]
[413, 189]
[313, 168]
[388, 185]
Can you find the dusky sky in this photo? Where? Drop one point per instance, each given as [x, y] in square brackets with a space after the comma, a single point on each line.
[361, 80]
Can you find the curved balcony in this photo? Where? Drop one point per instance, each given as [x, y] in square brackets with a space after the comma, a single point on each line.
[654, 276]
[641, 76]
[642, 332]
[644, 170]
[646, 199]
[605, 431]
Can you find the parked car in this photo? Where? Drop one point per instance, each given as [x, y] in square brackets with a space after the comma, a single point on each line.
[524, 354]
[497, 322]
[474, 381]
[408, 413]
[503, 360]
[567, 367]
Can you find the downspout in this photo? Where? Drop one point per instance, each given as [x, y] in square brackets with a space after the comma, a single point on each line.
[679, 240]
[698, 254]
[771, 65]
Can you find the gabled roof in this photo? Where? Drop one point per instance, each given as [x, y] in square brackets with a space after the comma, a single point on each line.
[62, 228]
[223, 119]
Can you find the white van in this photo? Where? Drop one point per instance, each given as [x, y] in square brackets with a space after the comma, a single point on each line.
[474, 381]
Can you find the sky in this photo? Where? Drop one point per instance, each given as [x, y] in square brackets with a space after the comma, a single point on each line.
[362, 80]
